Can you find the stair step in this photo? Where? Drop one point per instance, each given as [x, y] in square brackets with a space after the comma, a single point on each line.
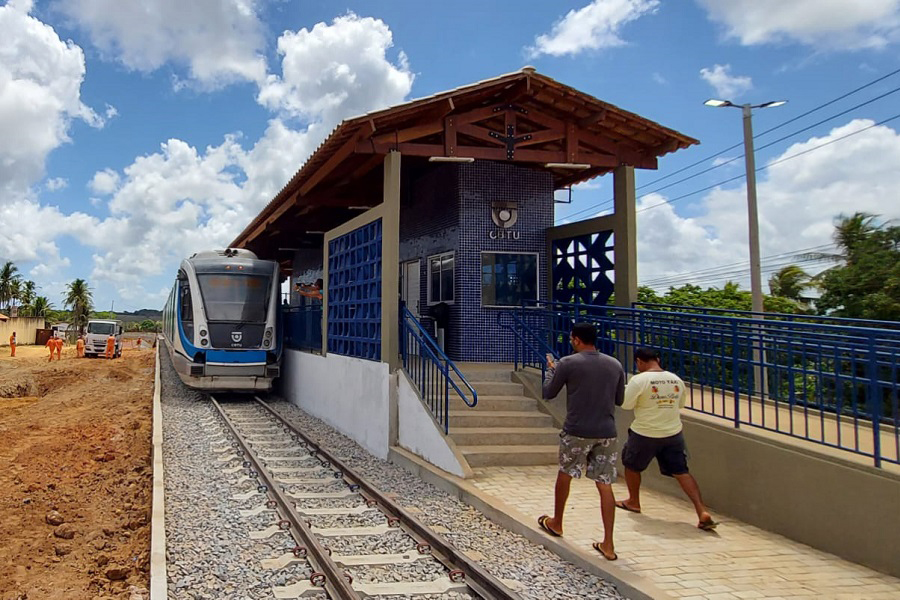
[495, 456]
[484, 375]
[504, 436]
[495, 403]
[499, 418]
[497, 388]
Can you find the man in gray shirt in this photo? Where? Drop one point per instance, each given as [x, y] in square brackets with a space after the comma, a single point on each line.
[595, 385]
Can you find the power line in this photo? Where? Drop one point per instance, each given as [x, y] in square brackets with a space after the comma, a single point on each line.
[737, 273]
[771, 164]
[777, 262]
[776, 127]
[791, 253]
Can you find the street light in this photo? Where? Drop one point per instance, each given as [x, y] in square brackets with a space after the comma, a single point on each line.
[750, 162]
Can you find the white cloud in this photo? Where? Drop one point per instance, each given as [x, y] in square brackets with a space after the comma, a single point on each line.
[170, 203]
[40, 87]
[798, 202]
[56, 183]
[592, 27]
[658, 78]
[727, 86]
[111, 111]
[830, 24]
[219, 41]
[337, 70]
[104, 182]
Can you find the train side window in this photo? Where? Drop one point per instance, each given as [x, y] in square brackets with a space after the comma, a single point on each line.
[187, 311]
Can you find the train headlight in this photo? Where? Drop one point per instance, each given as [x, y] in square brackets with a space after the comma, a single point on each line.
[203, 333]
[267, 343]
[203, 342]
[268, 333]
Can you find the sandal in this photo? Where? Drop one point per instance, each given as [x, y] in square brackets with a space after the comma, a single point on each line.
[542, 522]
[596, 546]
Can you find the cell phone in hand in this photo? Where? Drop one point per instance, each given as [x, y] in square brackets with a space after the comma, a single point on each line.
[550, 362]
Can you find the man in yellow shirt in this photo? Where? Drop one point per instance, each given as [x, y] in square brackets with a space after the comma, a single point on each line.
[657, 397]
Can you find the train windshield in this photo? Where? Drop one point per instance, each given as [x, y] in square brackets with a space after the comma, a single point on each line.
[235, 297]
[101, 328]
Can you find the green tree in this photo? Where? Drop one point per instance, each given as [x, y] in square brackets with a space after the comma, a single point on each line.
[789, 282]
[147, 325]
[9, 276]
[40, 307]
[866, 283]
[80, 300]
[27, 292]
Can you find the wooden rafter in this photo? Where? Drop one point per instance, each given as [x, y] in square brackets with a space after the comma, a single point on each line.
[337, 158]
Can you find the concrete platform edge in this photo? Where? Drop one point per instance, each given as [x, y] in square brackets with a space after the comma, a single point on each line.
[628, 584]
[158, 577]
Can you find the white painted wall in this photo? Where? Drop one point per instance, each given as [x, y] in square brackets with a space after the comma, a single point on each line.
[350, 394]
[420, 434]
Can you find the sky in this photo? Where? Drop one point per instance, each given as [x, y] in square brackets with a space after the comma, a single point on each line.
[133, 134]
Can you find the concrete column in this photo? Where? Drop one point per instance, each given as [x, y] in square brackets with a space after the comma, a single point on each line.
[625, 249]
[390, 263]
[625, 228]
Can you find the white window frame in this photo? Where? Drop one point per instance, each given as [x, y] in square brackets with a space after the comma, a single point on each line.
[536, 255]
[441, 255]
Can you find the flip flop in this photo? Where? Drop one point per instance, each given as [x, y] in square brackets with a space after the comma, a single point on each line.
[707, 525]
[621, 504]
[542, 521]
[597, 547]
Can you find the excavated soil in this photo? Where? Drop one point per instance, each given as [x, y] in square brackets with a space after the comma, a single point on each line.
[75, 475]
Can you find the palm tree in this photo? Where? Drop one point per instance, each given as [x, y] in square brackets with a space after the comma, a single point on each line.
[40, 306]
[28, 292]
[8, 275]
[80, 300]
[789, 282]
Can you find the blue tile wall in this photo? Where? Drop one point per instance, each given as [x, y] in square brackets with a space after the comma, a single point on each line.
[354, 293]
[450, 209]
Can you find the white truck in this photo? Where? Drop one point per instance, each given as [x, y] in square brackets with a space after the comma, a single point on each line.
[98, 330]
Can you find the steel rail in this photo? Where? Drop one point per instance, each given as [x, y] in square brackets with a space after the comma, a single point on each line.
[335, 584]
[476, 577]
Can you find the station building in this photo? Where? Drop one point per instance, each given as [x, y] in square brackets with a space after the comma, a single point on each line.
[427, 222]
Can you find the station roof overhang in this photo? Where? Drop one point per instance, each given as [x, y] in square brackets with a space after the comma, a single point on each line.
[523, 117]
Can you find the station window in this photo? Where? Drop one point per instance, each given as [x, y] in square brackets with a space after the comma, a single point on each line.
[508, 279]
[440, 278]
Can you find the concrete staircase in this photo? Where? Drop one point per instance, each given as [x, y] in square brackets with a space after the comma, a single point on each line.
[505, 428]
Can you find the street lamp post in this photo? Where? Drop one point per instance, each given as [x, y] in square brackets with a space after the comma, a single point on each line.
[753, 223]
[752, 212]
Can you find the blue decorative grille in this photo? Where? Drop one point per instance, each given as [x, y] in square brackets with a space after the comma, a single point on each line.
[581, 268]
[354, 293]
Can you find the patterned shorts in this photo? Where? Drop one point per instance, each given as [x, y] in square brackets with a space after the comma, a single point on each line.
[593, 457]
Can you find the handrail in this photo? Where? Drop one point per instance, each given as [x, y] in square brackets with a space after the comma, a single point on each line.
[792, 317]
[518, 321]
[425, 339]
[751, 322]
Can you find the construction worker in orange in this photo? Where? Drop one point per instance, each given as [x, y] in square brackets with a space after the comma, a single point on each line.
[110, 346]
[12, 344]
[59, 346]
[51, 345]
[79, 347]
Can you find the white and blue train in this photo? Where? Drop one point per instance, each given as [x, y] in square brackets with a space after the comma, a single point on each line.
[222, 321]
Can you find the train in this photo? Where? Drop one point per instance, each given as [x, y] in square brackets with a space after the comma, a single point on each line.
[221, 322]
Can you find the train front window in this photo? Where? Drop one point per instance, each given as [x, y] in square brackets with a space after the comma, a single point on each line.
[232, 297]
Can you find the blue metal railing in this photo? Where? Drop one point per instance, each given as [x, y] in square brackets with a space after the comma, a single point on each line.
[529, 345]
[828, 383]
[303, 327]
[430, 370]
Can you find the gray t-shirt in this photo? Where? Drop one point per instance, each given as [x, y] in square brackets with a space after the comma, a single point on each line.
[595, 385]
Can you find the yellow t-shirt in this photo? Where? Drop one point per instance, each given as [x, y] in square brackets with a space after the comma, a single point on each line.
[657, 398]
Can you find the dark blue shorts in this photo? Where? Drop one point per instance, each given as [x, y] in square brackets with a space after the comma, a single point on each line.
[670, 453]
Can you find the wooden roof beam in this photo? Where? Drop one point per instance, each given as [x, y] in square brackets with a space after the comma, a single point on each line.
[364, 132]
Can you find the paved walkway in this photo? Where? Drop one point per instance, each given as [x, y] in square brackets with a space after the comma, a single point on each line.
[663, 545]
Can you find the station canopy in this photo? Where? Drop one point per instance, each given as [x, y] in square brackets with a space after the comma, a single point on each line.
[523, 117]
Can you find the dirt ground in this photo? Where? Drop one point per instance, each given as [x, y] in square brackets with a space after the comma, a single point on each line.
[75, 475]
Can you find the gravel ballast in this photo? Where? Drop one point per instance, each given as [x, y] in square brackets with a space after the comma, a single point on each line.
[209, 550]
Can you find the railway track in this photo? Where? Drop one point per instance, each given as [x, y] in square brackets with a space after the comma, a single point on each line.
[318, 500]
